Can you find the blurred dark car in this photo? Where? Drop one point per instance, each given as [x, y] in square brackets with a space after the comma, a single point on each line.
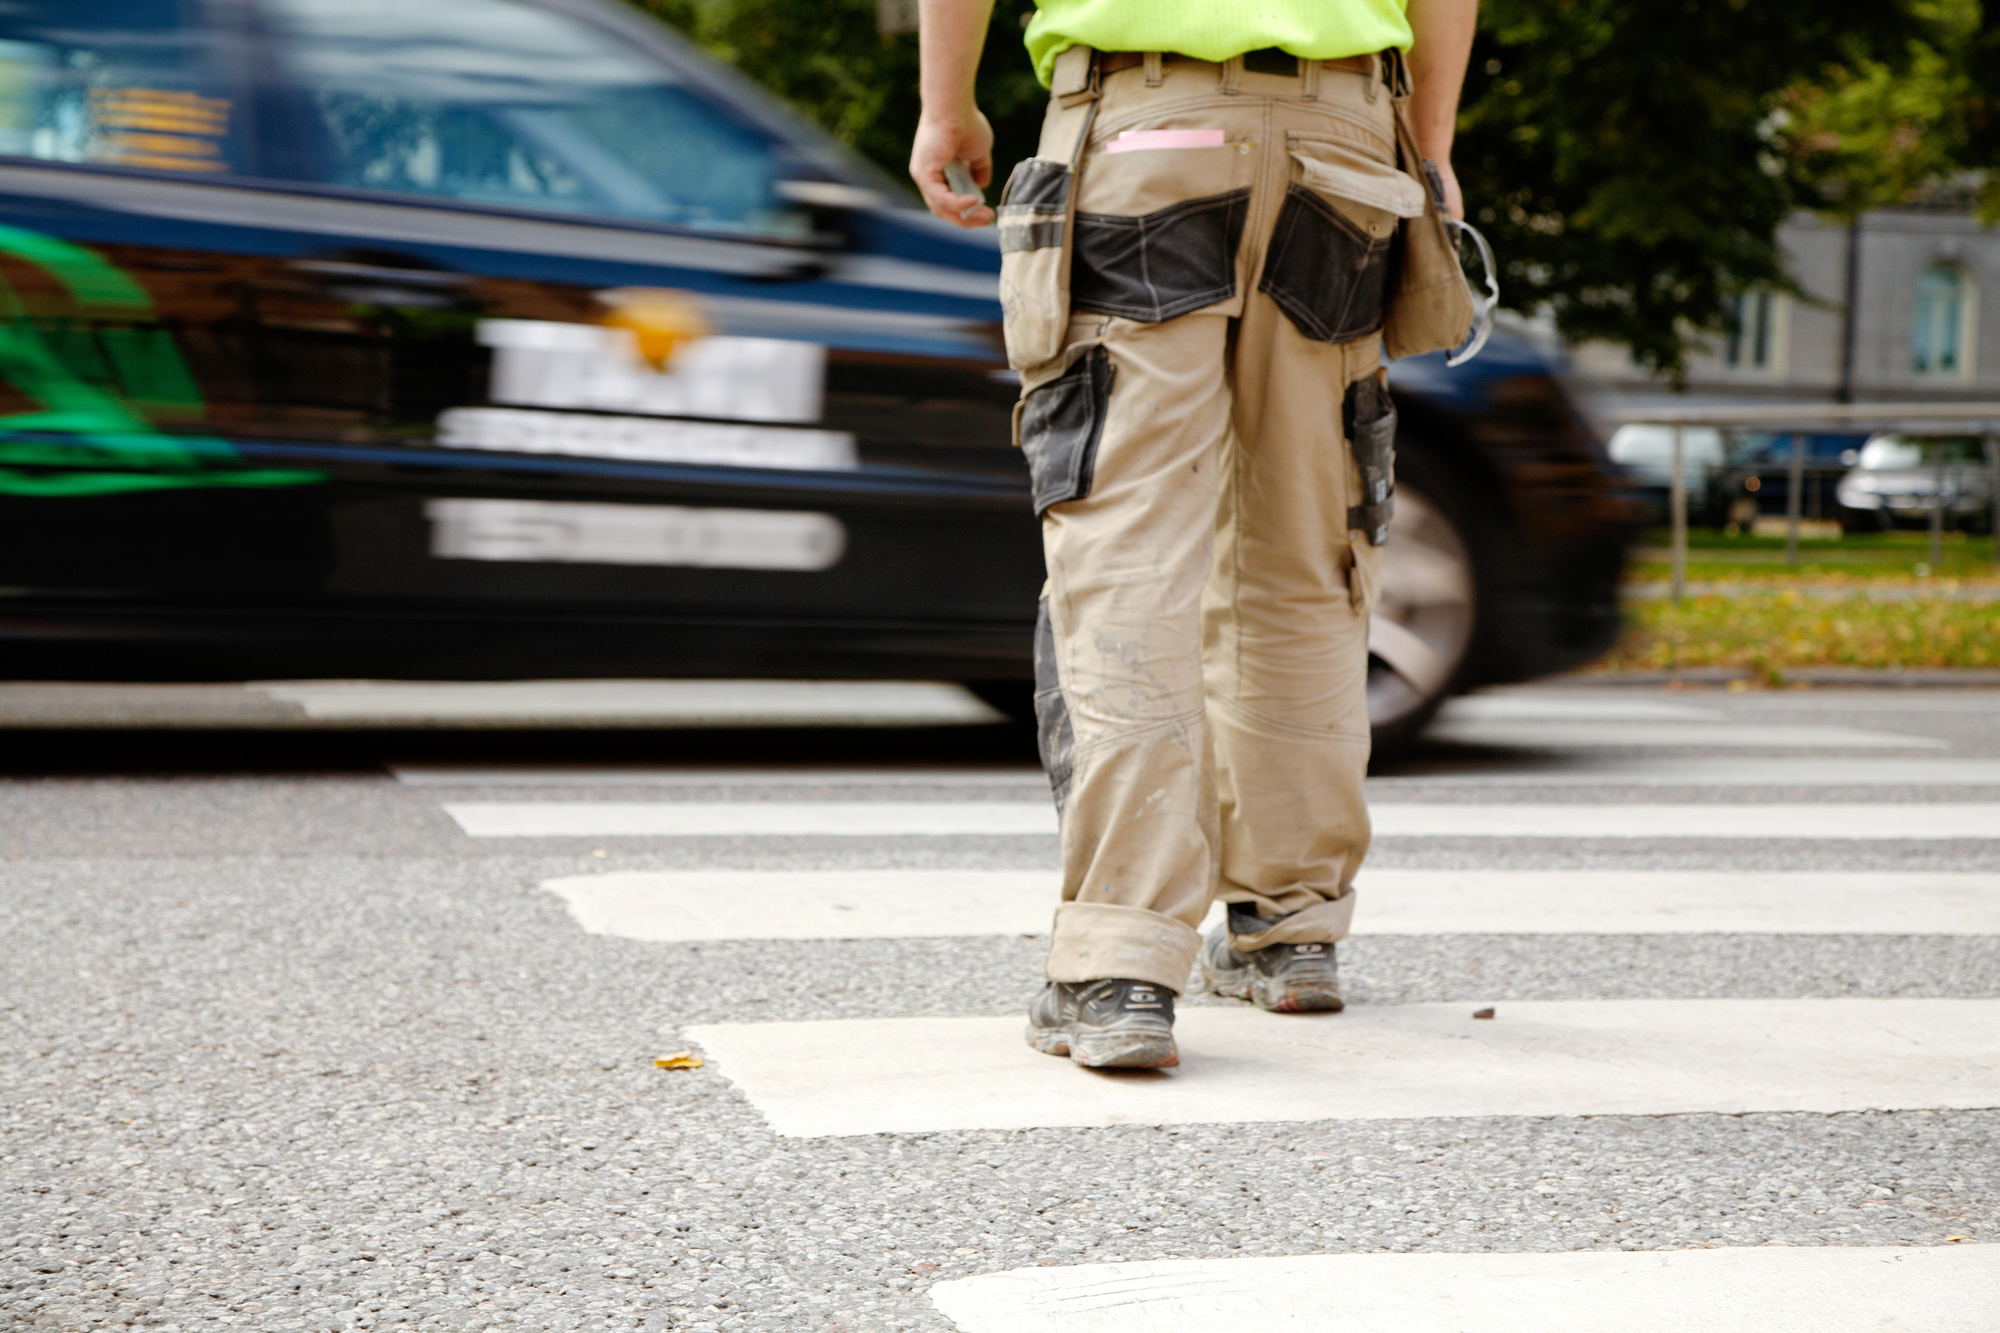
[1755, 479]
[511, 338]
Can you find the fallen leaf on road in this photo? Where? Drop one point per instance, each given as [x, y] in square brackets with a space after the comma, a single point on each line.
[680, 1060]
[1955, 1239]
[1482, 1013]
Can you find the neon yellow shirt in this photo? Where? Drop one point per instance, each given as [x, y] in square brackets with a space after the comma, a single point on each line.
[1216, 29]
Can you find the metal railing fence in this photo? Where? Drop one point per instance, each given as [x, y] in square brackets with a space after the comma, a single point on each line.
[1797, 419]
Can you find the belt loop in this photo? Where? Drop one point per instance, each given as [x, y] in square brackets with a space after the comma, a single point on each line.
[1374, 77]
[1398, 72]
[1232, 74]
[1153, 67]
[1309, 81]
[1077, 78]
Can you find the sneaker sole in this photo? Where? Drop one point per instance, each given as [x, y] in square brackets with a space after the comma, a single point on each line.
[1108, 1050]
[1245, 984]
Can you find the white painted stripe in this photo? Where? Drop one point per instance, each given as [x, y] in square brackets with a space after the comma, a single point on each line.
[1239, 1064]
[904, 904]
[728, 819]
[692, 702]
[811, 904]
[1672, 902]
[1551, 706]
[1775, 1289]
[1874, 821]
[1677, 771]
[1555, 735]
[1569, 771]
[876, 819]
[647, 775]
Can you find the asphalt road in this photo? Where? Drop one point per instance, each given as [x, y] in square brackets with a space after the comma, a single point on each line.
[283, 1046]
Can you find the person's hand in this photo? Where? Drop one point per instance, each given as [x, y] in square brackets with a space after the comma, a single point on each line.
[965, 137]
[1454, 200]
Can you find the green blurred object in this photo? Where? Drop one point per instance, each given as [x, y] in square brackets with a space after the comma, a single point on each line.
[91, 374]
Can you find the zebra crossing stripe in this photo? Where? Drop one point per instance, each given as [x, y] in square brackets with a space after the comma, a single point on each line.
[1592, 735]
[1876, 772]
[724, 819]
[1873, 821]
[1238, 1065]
[811, 904]
[699, 819]
[1771, 1289]
[907, 904]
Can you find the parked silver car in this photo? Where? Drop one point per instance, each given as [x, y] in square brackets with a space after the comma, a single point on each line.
[1897, 480]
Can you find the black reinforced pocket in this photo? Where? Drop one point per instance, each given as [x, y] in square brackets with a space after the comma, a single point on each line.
[1327, 274]
[1162, 264]
[1061, 423]
[1369, 418]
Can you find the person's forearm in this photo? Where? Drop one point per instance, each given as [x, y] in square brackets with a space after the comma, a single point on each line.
[951, 35]
[1443, 33]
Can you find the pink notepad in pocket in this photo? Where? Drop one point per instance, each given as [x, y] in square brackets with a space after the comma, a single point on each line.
[1133, 141]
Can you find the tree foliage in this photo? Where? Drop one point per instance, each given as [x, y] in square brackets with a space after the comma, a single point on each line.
[1871, 133]
[1627, 157]
[827, 60]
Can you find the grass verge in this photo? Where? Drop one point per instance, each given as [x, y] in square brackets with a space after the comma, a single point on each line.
[1770, 632]
[1715, 557]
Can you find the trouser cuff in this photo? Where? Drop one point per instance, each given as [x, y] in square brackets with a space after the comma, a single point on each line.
[1096, 941]
[1323, 923]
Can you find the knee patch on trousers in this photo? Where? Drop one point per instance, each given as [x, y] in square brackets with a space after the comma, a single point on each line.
[1054, 736]
[1061, 423]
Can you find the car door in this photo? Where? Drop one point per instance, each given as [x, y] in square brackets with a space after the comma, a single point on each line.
[622, 359]
[598, 366]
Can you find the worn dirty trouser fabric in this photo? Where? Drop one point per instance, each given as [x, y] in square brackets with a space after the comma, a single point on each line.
[1210, 452]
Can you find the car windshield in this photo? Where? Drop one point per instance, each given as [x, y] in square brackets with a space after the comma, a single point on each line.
[504, 103]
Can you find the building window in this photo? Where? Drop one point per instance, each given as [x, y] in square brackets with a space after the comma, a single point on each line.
[1758, 343]
[1939, 336]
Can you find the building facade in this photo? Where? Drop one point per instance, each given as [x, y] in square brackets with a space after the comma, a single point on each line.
[1926, 327]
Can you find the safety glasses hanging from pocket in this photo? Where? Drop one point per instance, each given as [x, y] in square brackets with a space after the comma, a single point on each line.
[1483, 306]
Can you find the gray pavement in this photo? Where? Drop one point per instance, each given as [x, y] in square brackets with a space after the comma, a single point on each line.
[283, 1049]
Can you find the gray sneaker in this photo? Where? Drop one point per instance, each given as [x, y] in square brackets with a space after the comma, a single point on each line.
[1111, 1024]
[1283, 978]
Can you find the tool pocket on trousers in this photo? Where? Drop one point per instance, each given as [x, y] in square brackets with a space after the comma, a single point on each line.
[1157, 230]
[1030, 220]
[1328, 264]
[1061, 423]
[1369, 422]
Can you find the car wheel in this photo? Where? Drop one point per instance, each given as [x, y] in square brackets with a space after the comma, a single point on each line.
[1424, 618]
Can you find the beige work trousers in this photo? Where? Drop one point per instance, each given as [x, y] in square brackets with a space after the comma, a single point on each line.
[1210, 454]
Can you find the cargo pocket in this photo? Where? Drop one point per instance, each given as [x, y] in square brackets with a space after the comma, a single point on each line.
[1369, 421]
[1157, 230]
[1061, 423]
[1030, 220]
[1328, 264]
